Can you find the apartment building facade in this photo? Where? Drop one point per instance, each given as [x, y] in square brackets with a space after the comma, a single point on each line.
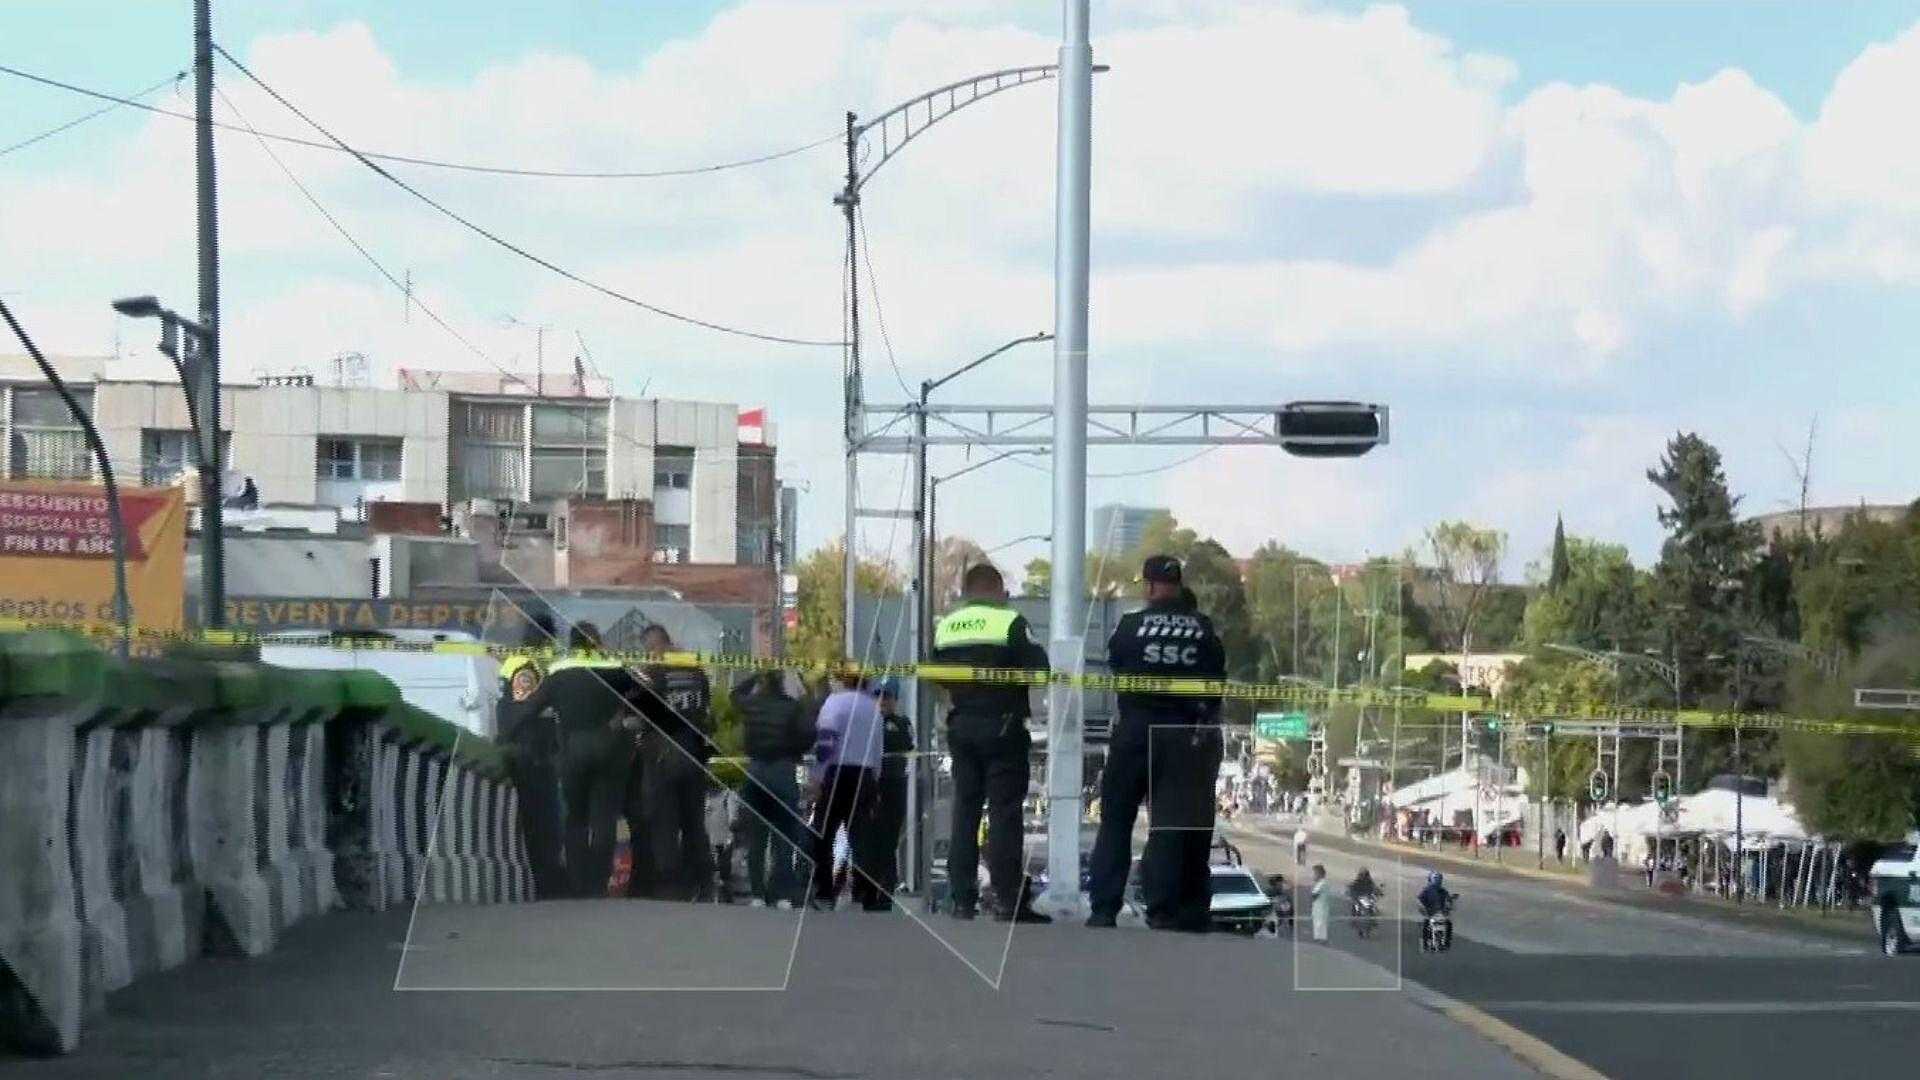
[449, 439]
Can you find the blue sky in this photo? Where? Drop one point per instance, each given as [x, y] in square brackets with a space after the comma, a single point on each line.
[1542, 283]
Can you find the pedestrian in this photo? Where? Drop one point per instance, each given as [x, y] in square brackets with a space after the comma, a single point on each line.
[777, 730]
[876, 833]
[1322, 904]
[847, 745]
[532, 741]
[1300, 846]
[1586, 850]
[1165, 749]
[593, 698]
[987, 737]
[1560, 845]
[674, 753]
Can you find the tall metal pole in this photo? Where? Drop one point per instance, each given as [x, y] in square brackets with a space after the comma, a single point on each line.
[1067, 608]
[917, 801]
[213, 563]
[849, 201]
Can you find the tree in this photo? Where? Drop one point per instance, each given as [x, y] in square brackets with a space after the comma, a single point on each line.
[1037, 578]
[1562, 566]
[1704, 562]
[821, 600]
[1598, 604]
[952, 558]
[1467, 562]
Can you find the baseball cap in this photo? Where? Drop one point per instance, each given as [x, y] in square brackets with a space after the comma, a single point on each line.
[1161, 568]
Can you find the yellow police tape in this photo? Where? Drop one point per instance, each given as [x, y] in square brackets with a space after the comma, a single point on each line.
[1542, 708]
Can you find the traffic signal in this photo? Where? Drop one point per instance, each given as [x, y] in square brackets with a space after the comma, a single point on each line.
[1597, 786]
[1330, 429]
[1662, 786]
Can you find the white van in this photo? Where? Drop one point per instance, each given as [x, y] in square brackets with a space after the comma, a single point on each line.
[1896, 897]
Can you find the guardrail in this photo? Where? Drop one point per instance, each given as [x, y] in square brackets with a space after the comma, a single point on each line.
[157, 810]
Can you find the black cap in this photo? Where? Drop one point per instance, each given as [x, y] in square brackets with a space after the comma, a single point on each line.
[1162, 568]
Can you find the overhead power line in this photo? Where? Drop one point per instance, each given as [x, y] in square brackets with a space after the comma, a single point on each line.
[495, 238]
[407, 159]
[357, 245]
[102, 111]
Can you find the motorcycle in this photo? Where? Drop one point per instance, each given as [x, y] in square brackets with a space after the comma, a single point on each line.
[1436, 932]
[1366, 915]
[1282, 895]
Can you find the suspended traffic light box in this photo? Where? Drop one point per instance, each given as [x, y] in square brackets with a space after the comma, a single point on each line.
[1330, 429]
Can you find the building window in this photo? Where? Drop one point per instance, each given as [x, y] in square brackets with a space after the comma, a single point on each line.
[47, 443]
[359, 459]
[570, 424]
[166, 453]
[559, 472]
[672, 543]
[491, 422]
[673, 468]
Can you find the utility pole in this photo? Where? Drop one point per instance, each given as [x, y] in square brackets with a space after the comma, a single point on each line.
[1067, 606]
[849, 202]
[213, 568]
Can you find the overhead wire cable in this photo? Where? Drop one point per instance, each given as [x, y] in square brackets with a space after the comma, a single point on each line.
[78, 120]
[433, 163]
[482, 231]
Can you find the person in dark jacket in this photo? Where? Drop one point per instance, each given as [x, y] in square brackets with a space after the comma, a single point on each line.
[592, 700]
[674, 750]
[532, 741]
[876, 833]
[1166, 749]
[778, 731]
[987, 737]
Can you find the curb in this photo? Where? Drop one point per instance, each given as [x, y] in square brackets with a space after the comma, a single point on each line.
[1535, 1052]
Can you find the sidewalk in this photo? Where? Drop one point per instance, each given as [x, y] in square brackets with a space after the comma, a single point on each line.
[866, 995]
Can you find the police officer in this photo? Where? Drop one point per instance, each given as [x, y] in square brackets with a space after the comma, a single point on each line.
[532, 740]
[987, 738]
[1165, 748]
[673, 754]
[876, 833]
[592, 697]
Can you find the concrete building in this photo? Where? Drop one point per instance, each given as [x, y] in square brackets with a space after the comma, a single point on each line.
[441, 438]
[1826, 519]
[431, 506]
[1117, 529]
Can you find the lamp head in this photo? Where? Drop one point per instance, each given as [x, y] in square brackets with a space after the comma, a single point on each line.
[137, 307]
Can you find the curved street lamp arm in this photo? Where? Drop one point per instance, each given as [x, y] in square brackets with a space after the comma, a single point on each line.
[904, 122]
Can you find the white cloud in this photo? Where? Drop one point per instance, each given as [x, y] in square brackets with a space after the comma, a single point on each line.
[1563, 233]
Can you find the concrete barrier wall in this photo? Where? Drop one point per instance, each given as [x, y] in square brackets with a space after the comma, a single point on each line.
[156, 811]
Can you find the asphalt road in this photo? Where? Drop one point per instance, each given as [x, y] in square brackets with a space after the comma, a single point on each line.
[1635, 992]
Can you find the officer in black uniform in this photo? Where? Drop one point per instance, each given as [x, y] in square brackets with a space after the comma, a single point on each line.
[1165, 748]
[674, 751]
[592, 697]
[987, 737]
[876, 833]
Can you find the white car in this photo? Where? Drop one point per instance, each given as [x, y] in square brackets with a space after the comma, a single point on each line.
[1896, 897]
[1239, 902]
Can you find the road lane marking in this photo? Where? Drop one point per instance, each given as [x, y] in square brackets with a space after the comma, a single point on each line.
[1703, 1008]
[1534, 1051]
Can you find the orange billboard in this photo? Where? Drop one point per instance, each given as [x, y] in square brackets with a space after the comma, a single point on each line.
[56, 553]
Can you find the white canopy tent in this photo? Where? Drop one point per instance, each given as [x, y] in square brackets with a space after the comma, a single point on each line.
[1473, 787]
[1763, 821]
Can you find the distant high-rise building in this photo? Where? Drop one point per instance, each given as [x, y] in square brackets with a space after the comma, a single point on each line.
[1117, 529]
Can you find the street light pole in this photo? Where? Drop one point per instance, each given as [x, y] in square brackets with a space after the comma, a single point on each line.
[212, 538]
[1067, 606]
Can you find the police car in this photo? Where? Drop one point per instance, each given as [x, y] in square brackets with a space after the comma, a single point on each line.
[1896, 897]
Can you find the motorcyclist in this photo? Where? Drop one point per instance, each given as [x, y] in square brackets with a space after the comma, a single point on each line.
[1362, 887]
[1434, 899]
